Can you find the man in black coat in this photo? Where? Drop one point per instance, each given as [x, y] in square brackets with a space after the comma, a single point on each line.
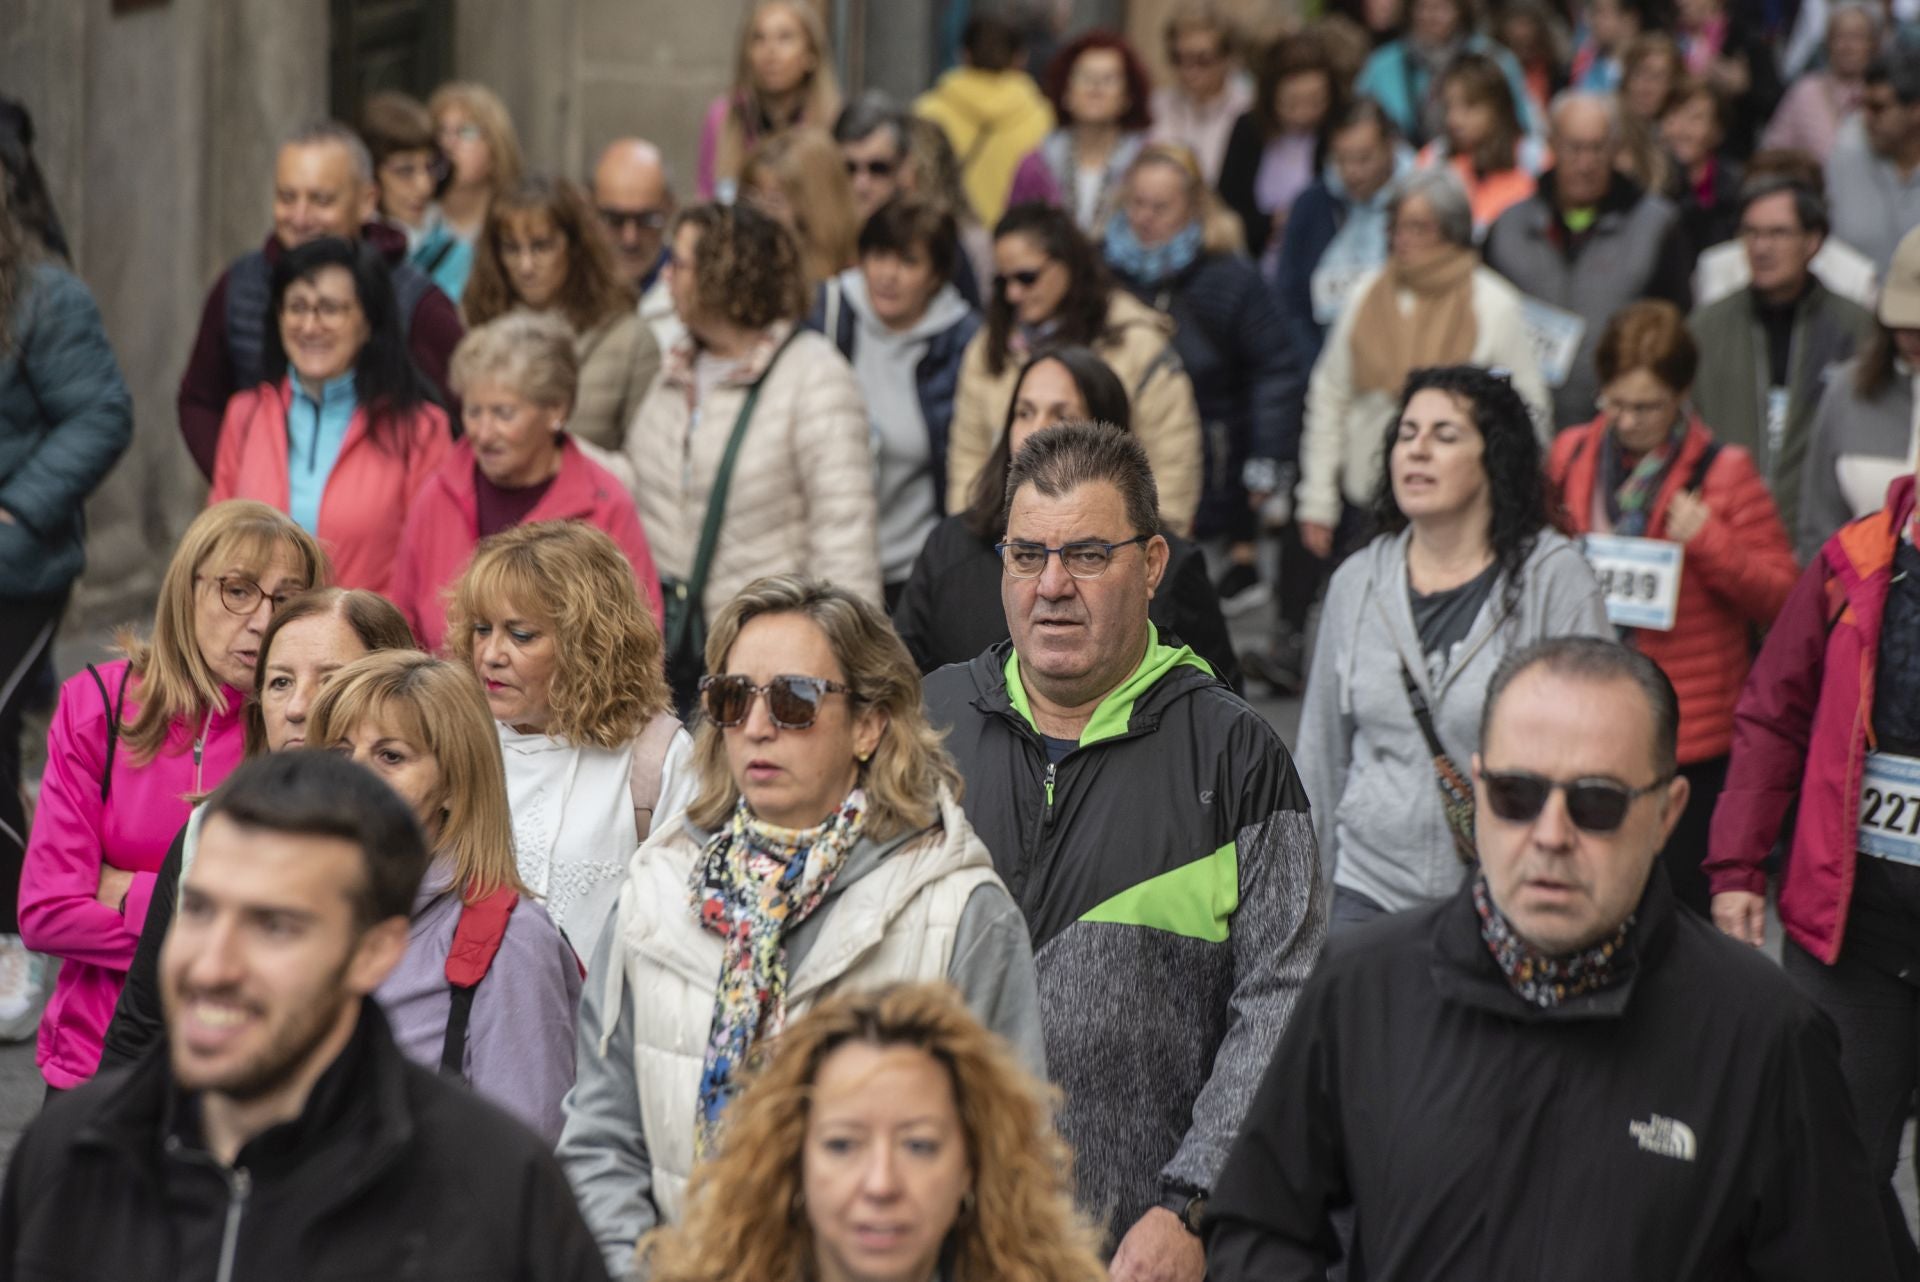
[1559, 1072]
[278, 1132]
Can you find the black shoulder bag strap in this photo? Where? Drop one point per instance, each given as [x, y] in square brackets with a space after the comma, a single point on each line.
[1456, 793]
[113, 704]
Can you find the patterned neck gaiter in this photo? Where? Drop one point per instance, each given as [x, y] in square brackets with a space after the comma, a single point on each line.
[1538, 978]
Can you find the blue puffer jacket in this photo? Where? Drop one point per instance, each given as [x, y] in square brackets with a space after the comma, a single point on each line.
[65, 418]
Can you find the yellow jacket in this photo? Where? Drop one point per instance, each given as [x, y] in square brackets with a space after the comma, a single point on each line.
[993, 119]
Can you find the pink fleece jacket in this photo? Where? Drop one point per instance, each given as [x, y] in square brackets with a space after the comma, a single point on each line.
[75, 835]
[444, 525]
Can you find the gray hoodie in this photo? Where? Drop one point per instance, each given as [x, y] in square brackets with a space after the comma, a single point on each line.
[603, 1145]
[1366, 766]
[884, 361]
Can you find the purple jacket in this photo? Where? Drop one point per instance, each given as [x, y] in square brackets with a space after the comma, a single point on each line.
[75, 835]
[520, 1033]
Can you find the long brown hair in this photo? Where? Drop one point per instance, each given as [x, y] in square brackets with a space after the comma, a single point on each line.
[173, 679]
[748, 119]
[1481, 79]
[374, 619]
[15, 257]
[743, 1222]
[594, 289]
[804, 163]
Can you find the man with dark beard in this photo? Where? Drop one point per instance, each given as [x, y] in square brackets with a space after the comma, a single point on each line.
[277, 1131]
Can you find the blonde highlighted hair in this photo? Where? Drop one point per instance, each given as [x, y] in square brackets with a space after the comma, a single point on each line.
[805, 164]
[1220, 230]
[495, 122]
[904, 776]
[819, 104]
[743, 1221]
[440, 710]
[609, 678]
[172, 678]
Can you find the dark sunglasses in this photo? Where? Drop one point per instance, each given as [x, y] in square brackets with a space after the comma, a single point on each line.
[618, 220]
[872, 168]
[1025, 280]
[1594, 805]
[792, 702]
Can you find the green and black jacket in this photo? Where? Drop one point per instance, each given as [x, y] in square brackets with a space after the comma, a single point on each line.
[1168, 873]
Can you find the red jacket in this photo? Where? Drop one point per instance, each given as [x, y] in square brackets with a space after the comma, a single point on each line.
[1737, 572]
[1803, 728]
[443, 526]
[365, 502]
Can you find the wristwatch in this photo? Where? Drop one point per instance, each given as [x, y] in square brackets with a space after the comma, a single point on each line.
[1189, 1204]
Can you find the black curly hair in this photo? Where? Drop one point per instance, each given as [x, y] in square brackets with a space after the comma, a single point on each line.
[1516, 479]
[1082, 315]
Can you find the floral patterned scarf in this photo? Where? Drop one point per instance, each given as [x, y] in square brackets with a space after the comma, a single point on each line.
[753, 884]
[1538, 978]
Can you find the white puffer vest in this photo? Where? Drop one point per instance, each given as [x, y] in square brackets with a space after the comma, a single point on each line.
[896, 923]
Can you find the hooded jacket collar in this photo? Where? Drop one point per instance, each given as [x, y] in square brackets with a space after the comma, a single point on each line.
[945, 310]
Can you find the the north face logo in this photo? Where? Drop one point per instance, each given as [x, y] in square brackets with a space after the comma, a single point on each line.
[1665, 1136]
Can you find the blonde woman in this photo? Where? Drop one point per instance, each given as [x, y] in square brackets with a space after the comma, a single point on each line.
[422, 726]
[570, 657]
[907, 1059]
[130, 741]
[798, 178]
[476, 134]
[825, 850]
[782, 77]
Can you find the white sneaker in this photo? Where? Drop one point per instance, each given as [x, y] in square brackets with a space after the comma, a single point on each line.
[22, 990]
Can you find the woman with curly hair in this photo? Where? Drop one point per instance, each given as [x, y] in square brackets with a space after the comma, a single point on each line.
[516, 465]
[1052, 289]
[1466, 569]
[826, 851]
[891, 1105]
[548, 619]
[545, 250]
[420, 724]
[782, 464]
[1100, 93]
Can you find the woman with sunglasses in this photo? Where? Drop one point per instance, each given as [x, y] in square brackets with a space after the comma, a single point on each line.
[825, 851]
[1826, 737]
[311, 637]
[1646, 467]
[1467, 568]
[547, 618]
[130, 741]
[546, 251]
[1052, 290]
[950, 610]
[343, 434]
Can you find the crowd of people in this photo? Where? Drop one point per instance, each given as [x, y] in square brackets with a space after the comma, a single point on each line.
[711, 727]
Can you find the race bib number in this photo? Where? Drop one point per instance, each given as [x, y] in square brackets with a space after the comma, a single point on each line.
[1640, 579]
[1332, 285]
[1554, 335]
[1890, 808]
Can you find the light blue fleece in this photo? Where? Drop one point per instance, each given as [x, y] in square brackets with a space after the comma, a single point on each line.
[315, 431]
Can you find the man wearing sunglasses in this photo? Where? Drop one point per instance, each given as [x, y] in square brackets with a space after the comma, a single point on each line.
[1153, 830]
[1560, 1072]
[635, 200]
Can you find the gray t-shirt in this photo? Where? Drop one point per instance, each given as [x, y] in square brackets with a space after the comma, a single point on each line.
[1444, 619]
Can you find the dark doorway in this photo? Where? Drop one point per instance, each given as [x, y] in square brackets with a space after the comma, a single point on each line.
[387, 44]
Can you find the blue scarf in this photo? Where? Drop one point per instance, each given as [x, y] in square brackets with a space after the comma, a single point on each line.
[1152, 265]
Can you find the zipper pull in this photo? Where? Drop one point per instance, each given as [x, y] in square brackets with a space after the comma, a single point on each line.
[1051, 767]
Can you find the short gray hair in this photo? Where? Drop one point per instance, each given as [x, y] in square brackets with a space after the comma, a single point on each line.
[1608, 104]
[530, 353]
[1444, 195]
[316, 133]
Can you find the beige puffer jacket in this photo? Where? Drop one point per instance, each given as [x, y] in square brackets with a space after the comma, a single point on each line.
[802, 496]
[1138, 344]
[618, 361]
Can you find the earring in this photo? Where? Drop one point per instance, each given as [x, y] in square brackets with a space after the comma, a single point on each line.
[865, 757]
[968, 1205]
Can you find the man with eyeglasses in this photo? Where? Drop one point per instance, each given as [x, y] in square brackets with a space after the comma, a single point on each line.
[323, 185]
[635, 201]
[1559, 1072]
[1152, 828]
[1873, 171]
[1765, 349]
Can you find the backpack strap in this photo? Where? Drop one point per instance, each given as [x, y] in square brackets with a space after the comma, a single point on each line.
[1703, 465]
[476, 940]
[114, 705]
[649, 759]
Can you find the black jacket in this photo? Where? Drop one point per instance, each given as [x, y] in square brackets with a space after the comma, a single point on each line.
[1230, 338]
[390, 1172]
[1688, 1124]
[1239, 176]
[137, 1019]
[950, 609]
